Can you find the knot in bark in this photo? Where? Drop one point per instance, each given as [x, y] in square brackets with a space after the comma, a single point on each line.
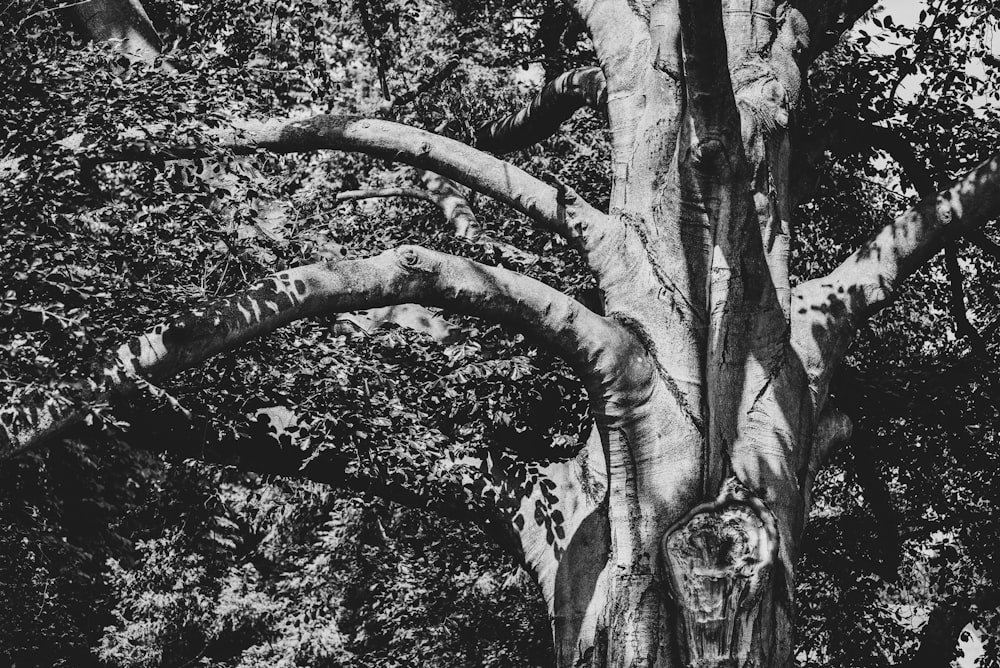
[719, 559]
[410, 258]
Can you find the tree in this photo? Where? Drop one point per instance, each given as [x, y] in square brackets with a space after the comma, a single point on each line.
[671, 535]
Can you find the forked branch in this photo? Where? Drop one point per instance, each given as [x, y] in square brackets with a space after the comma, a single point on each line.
[407, 274]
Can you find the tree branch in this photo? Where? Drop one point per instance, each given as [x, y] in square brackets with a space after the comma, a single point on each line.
[588, 342]
[570, 217]
[261, 445]
[439, 191]
[987, 245]
[413, 193]
[453, 204]
[828, 20]
[558, 100]
[957, 302]
[435, 79]
[828, 310]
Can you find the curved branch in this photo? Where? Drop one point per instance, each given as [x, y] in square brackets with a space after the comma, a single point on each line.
[558, 100]
[828, 310]
[983, 242]
[262, 445]
[571, 217]
[590, 343]
[940, 635]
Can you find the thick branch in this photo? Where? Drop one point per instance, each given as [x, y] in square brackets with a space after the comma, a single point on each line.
[826, 311]
[408, 274]
[570, 217]
[540, 119]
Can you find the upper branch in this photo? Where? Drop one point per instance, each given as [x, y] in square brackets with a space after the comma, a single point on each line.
[540, 119]
[828, 20]
[828, 310]
[408, 274]
[572, 218]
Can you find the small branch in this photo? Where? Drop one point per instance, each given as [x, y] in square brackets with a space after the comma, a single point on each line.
[257, 446]
[366, 23]
[413, 193]
[47, 10]
[558, 100]
[957, 302]
[441, 192]
[940, 634]
[446, 194]
[851, 398]
[449, 66]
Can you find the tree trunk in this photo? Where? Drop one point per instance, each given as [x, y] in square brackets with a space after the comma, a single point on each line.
[688, 559]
